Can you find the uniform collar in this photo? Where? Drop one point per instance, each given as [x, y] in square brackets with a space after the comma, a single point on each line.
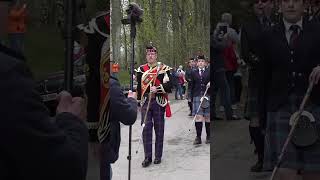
[287, 25]
[154, 65]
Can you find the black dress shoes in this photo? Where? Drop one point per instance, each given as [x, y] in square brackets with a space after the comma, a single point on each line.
[146, 162]
[157, 161]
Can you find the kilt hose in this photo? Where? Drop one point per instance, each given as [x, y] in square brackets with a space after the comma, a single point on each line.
[155, 118]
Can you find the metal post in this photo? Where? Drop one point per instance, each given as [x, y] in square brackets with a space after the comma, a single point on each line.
[69, 24]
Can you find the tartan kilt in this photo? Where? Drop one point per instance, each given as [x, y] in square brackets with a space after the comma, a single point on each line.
[195, 106]
[251, 105]
[277, 130]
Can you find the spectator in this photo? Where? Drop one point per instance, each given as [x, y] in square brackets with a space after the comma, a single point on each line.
[230, 54]
[17, 26]
[218, 41]
[181, 77]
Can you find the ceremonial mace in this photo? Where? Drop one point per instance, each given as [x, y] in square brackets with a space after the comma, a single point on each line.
[293, 127]
[134, 13]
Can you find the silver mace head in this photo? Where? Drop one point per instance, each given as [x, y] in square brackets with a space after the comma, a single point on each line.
[158, 66]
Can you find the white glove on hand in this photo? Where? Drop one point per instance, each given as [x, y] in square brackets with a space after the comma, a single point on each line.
[153, 89]
[165, 79]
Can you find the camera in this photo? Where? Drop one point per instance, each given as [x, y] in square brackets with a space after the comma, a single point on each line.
[223, 29]
[134, 14]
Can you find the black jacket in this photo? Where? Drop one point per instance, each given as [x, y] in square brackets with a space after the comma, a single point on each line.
[198, 85]
[188, 73]
[122, 109]
[33, 145]
[250, 39]
[285, 72]
[216, 53]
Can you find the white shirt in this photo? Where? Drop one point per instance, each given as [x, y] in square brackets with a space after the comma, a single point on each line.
[203, 69]
[287, 26]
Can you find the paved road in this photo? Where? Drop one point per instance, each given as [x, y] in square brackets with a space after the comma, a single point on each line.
[231, 152]
[181, 159]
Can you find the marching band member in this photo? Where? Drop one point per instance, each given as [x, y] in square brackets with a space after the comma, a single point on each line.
[153, 88]
[200, 80]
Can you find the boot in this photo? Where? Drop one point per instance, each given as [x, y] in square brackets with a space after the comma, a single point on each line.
[197, 141]
[157, 161]
[208, 140]
[257, 167]
[258, 140]
[146, 162]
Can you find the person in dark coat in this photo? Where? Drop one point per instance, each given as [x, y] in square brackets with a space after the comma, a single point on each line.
[190, 68]
[116, 109]
[35, 145]
[176, 76]
[218, 41]
[290, 52]
[251, 33]
[122, 110]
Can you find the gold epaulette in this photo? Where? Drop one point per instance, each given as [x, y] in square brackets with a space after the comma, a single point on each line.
[164, 69]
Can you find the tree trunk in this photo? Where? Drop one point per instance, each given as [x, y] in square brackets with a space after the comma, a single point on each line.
[163, 30]
[116, 30]
[125, 43]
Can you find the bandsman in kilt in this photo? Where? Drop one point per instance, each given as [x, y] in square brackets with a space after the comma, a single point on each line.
[152, 91]
[200, 80]
[291, 59]
[190, 68]
[251, 33]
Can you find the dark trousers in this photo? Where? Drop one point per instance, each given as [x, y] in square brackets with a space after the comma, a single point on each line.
[237, 88]
[221, 85]
[190, 98]
[178, 90]
[190, 104]
[105, 167]
[16, 42]
[155, 118]
[230, 79]
[258, 140]
[183, 89]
